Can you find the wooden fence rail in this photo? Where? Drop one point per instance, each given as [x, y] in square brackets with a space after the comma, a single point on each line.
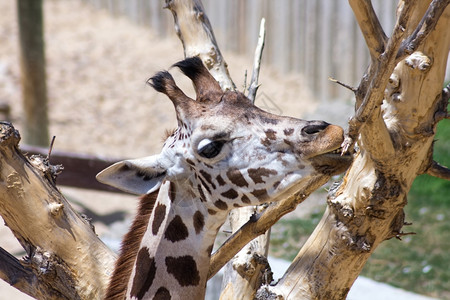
[318, 38]
[79, 170]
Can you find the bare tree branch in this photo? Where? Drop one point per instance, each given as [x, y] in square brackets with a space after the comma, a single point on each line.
[196, 34]
[354, 90]
[377, 79]
[259, 224]
[372, 95]
[370, 26]
[12, 271]
[367, 208]
[67, 256]
[426, 25]
[253, 88]
[438, 171]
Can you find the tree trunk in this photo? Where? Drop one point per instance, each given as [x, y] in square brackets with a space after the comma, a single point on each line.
[395, 146]
[65, 258]
[33, 77]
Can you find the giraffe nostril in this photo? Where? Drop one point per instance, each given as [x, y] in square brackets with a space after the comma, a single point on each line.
[314, 128]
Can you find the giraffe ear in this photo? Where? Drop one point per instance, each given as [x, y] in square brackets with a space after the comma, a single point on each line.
[137, 176]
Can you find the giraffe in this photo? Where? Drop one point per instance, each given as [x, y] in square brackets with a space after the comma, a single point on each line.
[225, 153]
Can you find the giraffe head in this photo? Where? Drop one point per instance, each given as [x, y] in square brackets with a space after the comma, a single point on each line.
[226, 151]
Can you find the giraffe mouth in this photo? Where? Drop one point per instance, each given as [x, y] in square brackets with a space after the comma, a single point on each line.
[336, 151]
[332, 162]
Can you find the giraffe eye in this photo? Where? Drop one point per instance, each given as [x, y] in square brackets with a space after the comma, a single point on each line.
[210, 149]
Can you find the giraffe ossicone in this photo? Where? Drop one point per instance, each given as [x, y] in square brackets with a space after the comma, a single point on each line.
[225, 153]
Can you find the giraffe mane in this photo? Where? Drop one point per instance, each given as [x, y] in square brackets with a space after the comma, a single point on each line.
[168, 133]
[130, 245]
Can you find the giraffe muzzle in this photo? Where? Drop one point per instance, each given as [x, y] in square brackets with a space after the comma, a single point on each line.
[324, 149]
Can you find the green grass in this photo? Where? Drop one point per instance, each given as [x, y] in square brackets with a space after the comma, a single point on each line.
[419, 263]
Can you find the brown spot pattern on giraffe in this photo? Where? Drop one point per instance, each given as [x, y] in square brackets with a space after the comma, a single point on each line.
[208, 178]
[145, 274]
[221, 205]
[230, 194]
[212, 211]
[172, 192]
[236, 177]
[209, 250]
[184, 269]
[276, 184]
[220, 180]
[205, 185]
[257, 174]
[202, 195]
[158, 217]
[199, 221]
[162, 294]
[245, 199]
[271, 134]
[176, 230]
[260, 194]
[289, 143]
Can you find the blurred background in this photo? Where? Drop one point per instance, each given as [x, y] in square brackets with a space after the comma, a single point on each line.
[99, 53]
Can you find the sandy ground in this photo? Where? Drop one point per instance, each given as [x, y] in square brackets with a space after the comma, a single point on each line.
[97, 68]
[99, 103]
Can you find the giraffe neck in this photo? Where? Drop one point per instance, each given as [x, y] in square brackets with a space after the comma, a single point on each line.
[175, 251]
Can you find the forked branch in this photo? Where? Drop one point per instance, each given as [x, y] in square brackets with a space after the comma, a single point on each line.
[370, 26]
[370, 94]
[67, 259]
[426, 25]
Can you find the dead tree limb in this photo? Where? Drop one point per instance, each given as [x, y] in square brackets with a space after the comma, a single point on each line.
[370, 26]
[65, 258]
[370, 97]
[395, 125]
[195, 32]
[253, 88]
[439, 171]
